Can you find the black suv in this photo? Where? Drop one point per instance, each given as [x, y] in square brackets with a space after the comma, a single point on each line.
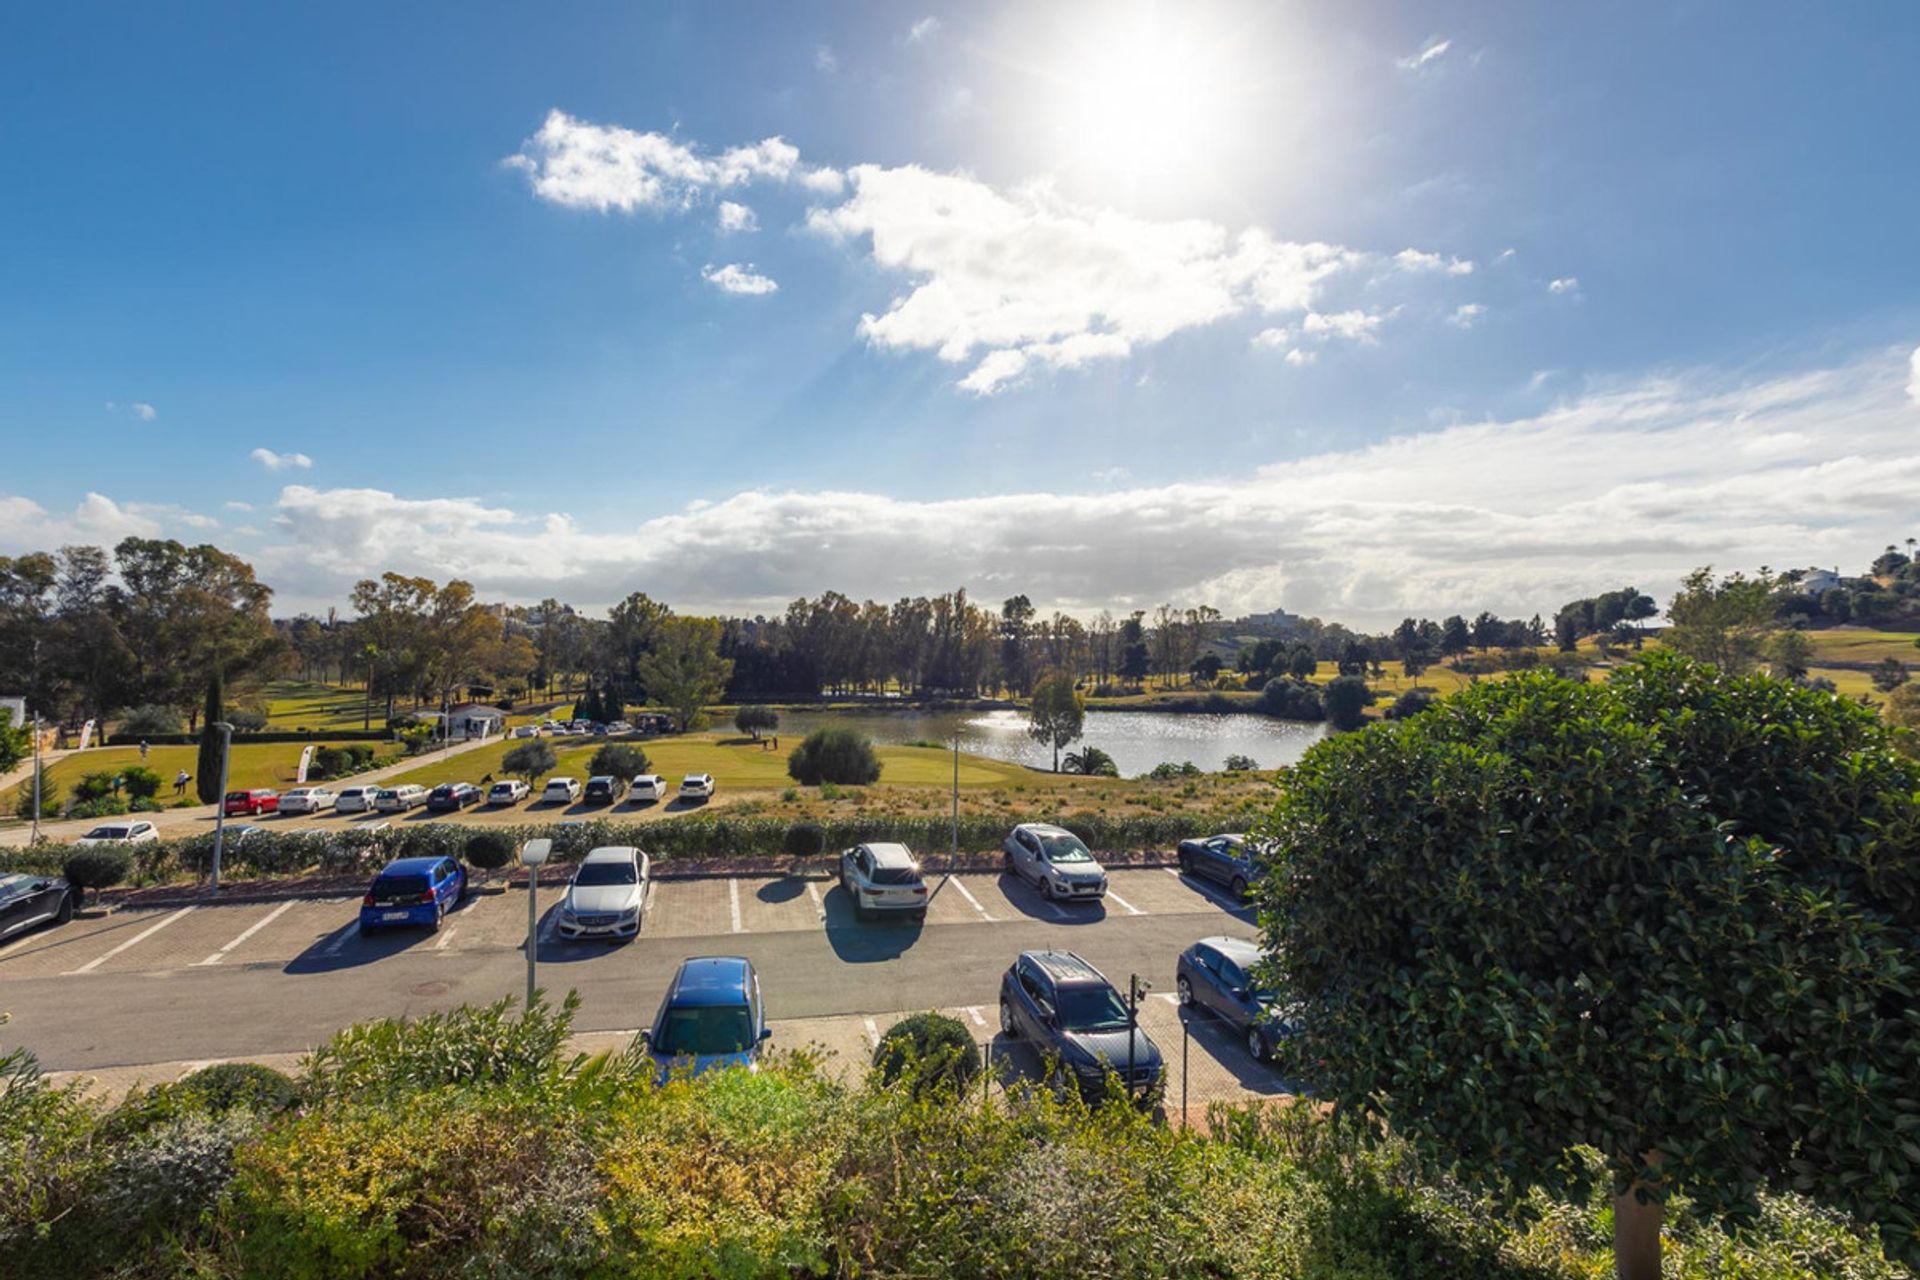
[604, 790]
[1076, 1019]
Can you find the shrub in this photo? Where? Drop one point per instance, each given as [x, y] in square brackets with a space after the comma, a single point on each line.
[105, 807]
[246, 719]
[1092, 762]
[98, 866]
[933, 1050]
[1410, 703]
[834, 755]
[340, 762]
[619, 759]
[1167, 770]
[226, 1085]
[1346, 699]
[397, 1057]
[754, 720]
[141, 782]
[489, 850]
[805, 840]
[94, 786]
[150, 720]
[529, 760]
[1240, 764]
[1287, 699]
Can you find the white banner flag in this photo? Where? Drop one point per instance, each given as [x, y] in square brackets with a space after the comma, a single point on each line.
[86, 734]
[306, 758]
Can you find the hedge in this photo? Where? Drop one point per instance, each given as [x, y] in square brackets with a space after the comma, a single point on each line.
[360, 850]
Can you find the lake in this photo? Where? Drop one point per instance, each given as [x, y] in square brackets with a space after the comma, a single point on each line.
[1137, 740]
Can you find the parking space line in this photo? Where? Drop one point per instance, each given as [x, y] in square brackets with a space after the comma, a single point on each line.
[446, 936]
[965, 893]
[733, 900]
[873, 1033]
[339, 939]
[1131, 909]
[979, 1019]
[1168, 996]
[142, 936]
[252, 929]
[819, 907]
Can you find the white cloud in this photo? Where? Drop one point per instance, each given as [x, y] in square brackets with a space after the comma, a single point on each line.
[1466, 315]
[1354, 326]
[194, 520]
[1913, 380]
[825, 60]
[733, 217]
[144, 412]
[1431, 50]
[1111, 475]
[237, 506]
[925, 29]
[1413, 260]
[1299, 358]
[1626, 484]
[281, 461]
[1505, 255]
[734, 278]
[605, 167]
[1564, 284]
[824, 181]
[96, 519]
[1275, 337]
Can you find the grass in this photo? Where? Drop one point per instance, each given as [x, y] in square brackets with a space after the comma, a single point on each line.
[252, 765]
[1860, 644]
[303, 704]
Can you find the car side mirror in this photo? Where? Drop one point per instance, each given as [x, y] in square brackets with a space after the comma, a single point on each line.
[1239, 993]
[646, 1039]
[766, 1033]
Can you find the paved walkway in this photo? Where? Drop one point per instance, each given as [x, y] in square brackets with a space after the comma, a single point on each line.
[175, 822]
[23, 772]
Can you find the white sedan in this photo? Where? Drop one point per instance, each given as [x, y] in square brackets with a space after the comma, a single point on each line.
[120, 833]
[560, 791]
[307, 800]
[607, 895]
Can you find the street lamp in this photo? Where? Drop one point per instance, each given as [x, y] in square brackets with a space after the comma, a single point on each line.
[532, 854]
[36, 773]
[220, 813]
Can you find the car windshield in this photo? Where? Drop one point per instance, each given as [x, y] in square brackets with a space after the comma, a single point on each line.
[700, 1031]
[399, 886]
[236, 795]
[107, 833]
[1064, 847]
[607, 873]
[503, 786]
[1091, 1008]
[896, 875]
[389, 795]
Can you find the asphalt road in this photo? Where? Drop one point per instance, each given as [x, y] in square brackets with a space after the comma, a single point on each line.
[221, 982]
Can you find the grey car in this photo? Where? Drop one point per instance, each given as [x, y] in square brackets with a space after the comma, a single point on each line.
[1069, 1012]
[1227, 860]
[29, 900]
[1055, 861]
[1221, 976]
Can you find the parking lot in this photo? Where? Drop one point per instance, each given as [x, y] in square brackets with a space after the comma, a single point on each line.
[215, 981]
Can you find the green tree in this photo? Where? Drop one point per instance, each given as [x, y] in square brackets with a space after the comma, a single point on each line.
[752, 720]
[834, 755]
[1058, 715]
[1789, 654]
[685, 671]
[532, 760]
[1631, 916]
[206, 781]
[1091, 761]
[16, 741]
[1346, 699]
[619, 760]
[1301, 664]
[1889, 674]
[1725, 622]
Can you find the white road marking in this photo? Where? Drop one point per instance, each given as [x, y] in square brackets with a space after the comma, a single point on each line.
[733, 900]
[252, 929]
[339, 939]
[1131, 909]
[958, 884]
[142, 936]
[979, 1019]
[446, 936]
[1172, 871]
[819, 907]
[1168, 996]
[873, 1033]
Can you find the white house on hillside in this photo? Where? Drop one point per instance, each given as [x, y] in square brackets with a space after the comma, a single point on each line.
[475, 720]
[1814, 581]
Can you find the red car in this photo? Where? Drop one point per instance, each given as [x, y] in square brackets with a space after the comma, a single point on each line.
[250, 803]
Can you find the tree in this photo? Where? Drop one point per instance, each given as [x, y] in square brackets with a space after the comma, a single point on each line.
[1346, 699]
[685, 671]
[1353, 659]
[1291, 700]
[1301, 664]
[1092, 762]
[532, 760]
[1789, 655]
[753, 719]
[618, 760]
[206, 782]
[1627, 906]
[834, 755]
[1889, 674]
[1725, 622]
[1058, 715]
[16, 741]
[1016, 619]
[1205, 669]
[1455, 639]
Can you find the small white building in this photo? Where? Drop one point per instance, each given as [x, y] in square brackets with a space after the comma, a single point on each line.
[1814, 581]
[19, 708]
[475, 720]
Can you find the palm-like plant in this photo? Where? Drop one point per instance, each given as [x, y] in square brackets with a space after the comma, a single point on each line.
[1091, 761]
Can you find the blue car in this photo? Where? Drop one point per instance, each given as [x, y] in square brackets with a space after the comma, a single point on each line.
[712, 1017]
[413, 891]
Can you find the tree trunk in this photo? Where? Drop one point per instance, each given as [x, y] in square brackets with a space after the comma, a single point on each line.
[1636, 1235]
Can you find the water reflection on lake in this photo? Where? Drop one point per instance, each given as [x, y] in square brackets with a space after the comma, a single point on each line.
[1137, 740]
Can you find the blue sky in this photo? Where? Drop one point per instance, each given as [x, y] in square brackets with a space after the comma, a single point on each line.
[1354, 309]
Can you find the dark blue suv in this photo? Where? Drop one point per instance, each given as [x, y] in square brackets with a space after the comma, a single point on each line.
[413, 891]
[713, 1016]
[1079, 1024]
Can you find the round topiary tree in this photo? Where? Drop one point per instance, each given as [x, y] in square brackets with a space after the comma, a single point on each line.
[1673, 918]
[97, 866]
[834, 755]
[489, 850]
[933, 1051]
[619, 760]
[226, 1085]
[805, 840]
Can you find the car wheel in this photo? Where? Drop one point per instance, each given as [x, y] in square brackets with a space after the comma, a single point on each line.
[1186, 991]
[1186, 863]
[366, 930]
[439, 915]
[1257, 1044]
[1239, 888]
[66, 909]
[1007, 1028]
[1046, 888]
[1006, 862]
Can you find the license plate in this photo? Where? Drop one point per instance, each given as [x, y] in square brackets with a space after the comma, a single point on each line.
[393, 915]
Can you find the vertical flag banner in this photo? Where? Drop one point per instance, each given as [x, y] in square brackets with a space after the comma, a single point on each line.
[306, 758]
[86, 734]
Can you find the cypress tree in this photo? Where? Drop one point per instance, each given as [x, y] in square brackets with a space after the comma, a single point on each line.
[207, 771]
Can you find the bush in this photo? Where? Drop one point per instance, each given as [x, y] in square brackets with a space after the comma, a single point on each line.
[489, 850]
[468, 1046]
[105, 807]
[1411, 703]
[530, 760]
[1346, 699]
[226, 1085]
[805, 840]
[340, 762]
[246, 719]
[1167, 770]
[755, 720]
[95, 786]
[618, 759]
[1286, 699]
[934, 1051]
[141, 782]
[148, 721]
[97, 866]
[834, 755]
[1240, 764]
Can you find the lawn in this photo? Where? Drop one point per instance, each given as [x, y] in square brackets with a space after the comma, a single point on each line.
[252, 765]
[299, 704]
[1860, 644]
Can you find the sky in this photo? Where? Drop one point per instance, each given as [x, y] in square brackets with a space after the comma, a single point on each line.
[1354, 309]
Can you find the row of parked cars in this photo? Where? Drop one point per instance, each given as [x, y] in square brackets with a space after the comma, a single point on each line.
[450, 797]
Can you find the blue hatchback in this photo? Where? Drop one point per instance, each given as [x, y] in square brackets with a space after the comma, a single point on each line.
[413, 891]
[712, 1017]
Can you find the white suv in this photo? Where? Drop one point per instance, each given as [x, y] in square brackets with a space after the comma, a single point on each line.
[560, 791]
[647, 787]
[697, 786]
[885, 878]
[1055, 861]
[355, 799]
[507, 791]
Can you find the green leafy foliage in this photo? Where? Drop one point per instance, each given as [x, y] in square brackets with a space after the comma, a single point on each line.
[834, 755]
[619, 759]
[141, 783]
[754, 720]
[98, 866]
[150, 720]
[1676, 914]
[489, 850]
[805, 840]
[931, 1050]
[394, 1057]
[531, 760]
[1411, 703]
[1346, 699]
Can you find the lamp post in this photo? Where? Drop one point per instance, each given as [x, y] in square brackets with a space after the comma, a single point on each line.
[532, 855]
[36, 777]
[220, 814]
[953, 858]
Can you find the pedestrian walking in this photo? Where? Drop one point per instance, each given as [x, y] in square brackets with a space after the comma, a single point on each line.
[143, 751]
[180, 781]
